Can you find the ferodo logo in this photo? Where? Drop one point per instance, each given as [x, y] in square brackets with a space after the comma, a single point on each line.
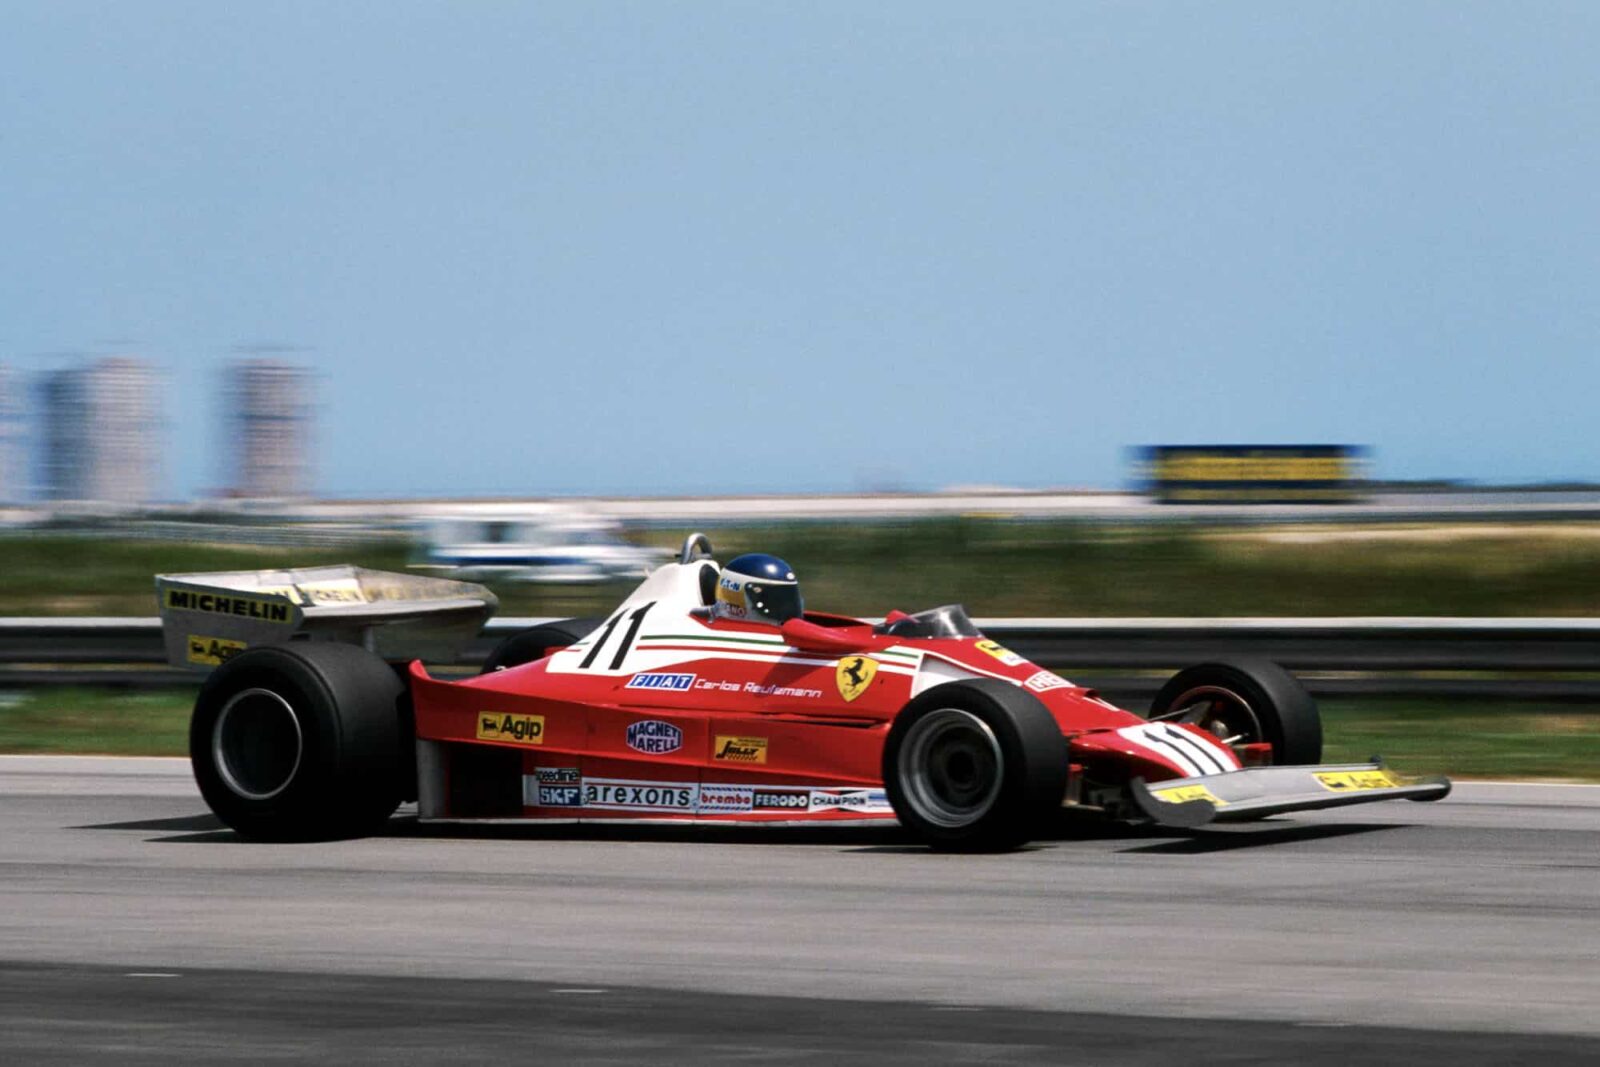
[517, 729]
[242, 606]
[740, 749]
[654, 737]
[212, 651]
[781, 800]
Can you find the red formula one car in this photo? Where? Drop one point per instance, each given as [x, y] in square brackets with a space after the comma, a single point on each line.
[675, 709]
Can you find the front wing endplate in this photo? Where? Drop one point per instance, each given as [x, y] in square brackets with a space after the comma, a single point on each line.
[1256, 792]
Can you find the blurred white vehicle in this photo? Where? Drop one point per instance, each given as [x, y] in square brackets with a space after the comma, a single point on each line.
[565, 550]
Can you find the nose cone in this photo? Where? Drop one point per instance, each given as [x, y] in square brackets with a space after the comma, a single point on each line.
[1156, 751]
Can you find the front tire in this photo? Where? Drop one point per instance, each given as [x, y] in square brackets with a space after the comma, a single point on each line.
[975, 766]
[301, 742]
[1249, 700]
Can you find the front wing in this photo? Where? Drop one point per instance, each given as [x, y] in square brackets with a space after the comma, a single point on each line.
[1256, 792]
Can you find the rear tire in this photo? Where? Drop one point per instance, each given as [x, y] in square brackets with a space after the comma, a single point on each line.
[535, 643]
[1254, 699]
[975, 766]
[302, 742]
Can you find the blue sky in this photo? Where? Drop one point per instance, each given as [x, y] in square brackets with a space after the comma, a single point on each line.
[677, 248]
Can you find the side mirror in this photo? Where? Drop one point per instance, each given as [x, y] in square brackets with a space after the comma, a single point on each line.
[809, 637]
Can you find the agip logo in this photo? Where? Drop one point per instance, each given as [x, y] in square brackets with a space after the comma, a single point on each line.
[514, 729]
[654, 737]
[212, 651]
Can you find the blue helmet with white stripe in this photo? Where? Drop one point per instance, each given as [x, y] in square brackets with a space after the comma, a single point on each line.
[756, 587]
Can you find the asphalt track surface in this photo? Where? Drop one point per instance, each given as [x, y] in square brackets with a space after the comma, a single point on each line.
[134, 929]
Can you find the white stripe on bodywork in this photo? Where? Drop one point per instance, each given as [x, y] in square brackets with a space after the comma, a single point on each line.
[1201, 750]
[1196, 756]
[647, 659]
[1142, 736]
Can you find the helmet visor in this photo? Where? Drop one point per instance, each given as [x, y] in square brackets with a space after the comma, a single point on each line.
[774, 602]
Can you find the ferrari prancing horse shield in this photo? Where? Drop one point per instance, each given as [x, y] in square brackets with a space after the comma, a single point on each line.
[854, 674]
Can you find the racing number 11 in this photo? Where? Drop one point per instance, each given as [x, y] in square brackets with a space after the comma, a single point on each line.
[634, 622]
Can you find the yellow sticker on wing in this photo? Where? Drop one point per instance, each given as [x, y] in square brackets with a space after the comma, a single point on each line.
[1181, 794]
[1354, 781]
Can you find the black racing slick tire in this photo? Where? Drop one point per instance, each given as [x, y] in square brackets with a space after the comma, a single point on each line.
[1249, 700]
[536, 642]
[975, 766]
[305, 741]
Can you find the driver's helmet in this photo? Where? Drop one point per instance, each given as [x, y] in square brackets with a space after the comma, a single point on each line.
[757, 587]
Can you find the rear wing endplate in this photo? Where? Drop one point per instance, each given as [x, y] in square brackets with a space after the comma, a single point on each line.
[206, 618]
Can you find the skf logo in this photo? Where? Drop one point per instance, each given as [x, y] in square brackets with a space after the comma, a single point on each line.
[854, 674]
[740, 749]
[212, 651]
[517, 729]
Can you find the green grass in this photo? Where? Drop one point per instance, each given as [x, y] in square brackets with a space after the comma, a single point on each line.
[80, 575]
[1001, 568]
[1478, 740]
[1481, 740]
[96, 721]
[995, 567]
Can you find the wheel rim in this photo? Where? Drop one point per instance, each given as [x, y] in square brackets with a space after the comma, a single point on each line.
[951, 767]
[256, 744]
[1228, 715]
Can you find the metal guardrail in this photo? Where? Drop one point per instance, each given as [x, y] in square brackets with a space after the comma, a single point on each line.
[1126, 658]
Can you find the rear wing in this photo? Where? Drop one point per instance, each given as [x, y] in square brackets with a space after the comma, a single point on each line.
[206, 618]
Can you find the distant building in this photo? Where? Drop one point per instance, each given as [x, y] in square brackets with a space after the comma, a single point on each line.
[269, 424]
[99, 434]
[12, 474]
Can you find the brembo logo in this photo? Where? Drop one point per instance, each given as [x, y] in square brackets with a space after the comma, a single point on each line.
[654, 737]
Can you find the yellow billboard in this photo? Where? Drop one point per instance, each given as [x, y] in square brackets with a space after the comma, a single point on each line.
[1253, 474]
